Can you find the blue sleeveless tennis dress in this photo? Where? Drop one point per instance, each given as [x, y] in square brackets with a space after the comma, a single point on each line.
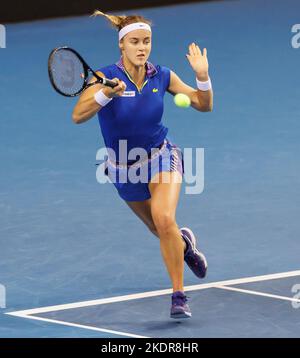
[132, 121]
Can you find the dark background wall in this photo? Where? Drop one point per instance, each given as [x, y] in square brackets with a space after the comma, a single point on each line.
[20, 10]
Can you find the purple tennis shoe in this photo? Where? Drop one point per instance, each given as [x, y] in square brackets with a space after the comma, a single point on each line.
[193, 257]
[180, 309]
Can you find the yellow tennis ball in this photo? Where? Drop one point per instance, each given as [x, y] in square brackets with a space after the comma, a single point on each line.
[182, 100]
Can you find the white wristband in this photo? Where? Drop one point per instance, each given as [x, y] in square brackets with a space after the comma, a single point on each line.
[204, 86]
[101, 99]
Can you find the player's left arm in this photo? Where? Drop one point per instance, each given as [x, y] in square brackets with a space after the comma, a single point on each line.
[200, 100]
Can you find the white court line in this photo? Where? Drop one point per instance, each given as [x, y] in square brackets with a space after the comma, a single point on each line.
[83, 326]
[220, 284]
[151, 294]
[257, 293]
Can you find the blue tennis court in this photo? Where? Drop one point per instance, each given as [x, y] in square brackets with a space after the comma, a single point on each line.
[76, 262]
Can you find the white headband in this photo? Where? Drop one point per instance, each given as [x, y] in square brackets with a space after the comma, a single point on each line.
[132, 27]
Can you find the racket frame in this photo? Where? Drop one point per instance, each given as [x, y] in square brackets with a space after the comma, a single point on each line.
[86, 68]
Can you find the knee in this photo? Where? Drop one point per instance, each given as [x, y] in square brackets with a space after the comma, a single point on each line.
[164, 223]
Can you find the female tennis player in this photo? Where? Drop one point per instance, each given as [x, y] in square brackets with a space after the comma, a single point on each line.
[132, 112]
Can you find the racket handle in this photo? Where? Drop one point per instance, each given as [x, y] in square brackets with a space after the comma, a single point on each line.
[109, 83]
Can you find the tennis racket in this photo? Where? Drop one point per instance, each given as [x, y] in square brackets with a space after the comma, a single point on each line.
[69, 73]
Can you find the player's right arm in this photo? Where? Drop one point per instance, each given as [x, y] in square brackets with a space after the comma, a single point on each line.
[87, 107]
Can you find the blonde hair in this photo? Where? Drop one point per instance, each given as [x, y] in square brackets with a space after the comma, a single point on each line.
[119, 21]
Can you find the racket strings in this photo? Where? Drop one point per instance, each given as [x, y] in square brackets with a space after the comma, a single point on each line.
[68, 73]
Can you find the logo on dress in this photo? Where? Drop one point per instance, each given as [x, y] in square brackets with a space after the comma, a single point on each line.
[155, 90]
[128, 94]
